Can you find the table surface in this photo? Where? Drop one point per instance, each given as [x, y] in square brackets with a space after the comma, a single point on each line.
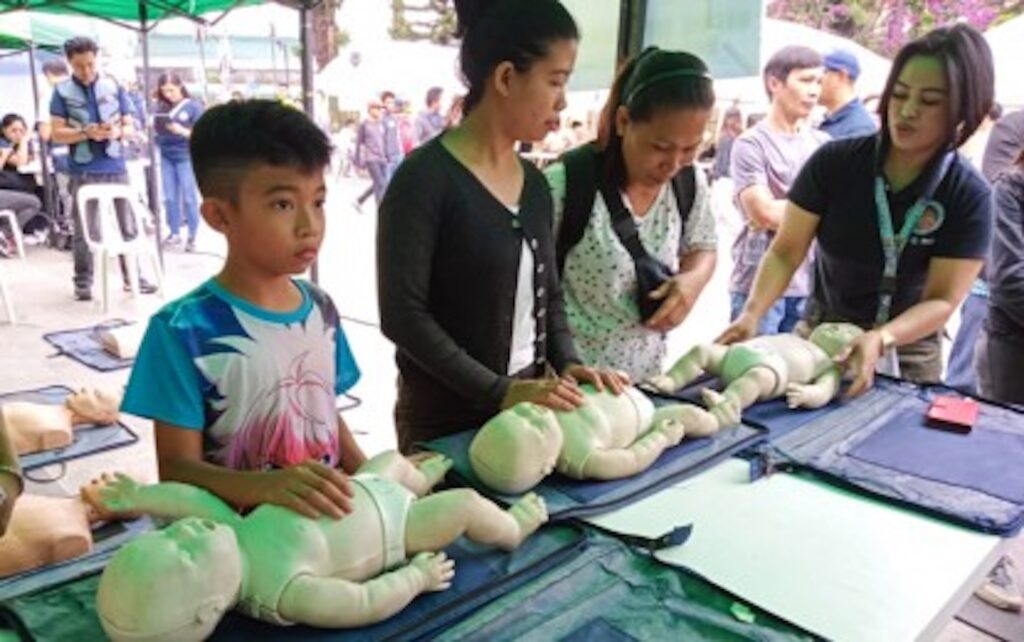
[838, 564]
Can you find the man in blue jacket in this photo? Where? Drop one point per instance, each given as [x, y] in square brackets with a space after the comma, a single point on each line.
[91, 114]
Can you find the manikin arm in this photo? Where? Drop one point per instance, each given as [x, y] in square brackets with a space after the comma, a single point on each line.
[331, 602]
[169, 499]
[622, 462]
[814, 395]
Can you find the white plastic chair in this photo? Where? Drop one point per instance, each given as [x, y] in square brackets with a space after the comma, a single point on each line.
[19, 242]
[112, 242]
[6, 296]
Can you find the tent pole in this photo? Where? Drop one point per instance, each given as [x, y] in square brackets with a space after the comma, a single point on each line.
[632, 19]
[147, 126]
[44, 148]
[308, 104]
[201, 35]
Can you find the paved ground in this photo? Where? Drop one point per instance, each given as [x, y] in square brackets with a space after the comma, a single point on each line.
[42, 294]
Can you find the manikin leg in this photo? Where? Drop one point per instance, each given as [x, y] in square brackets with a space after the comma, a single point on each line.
[436, 521]
[616, 463]
[700, 359]
[756, 384]
[419, 479]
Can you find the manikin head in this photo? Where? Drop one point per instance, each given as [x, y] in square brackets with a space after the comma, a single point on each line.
[833, 337]
[174, 584]
[516, 449]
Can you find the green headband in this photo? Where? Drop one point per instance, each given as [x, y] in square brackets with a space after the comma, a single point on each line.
[665, 75]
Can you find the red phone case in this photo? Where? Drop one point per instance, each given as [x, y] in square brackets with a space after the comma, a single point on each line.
[953, 413]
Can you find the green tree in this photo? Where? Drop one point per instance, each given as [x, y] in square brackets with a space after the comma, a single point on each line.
[886, 25]
[432, 20]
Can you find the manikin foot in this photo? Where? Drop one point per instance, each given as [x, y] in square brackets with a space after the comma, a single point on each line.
[434, 469]
[529, 513]
[726, 411]
[92, 496]
[662, 383]
[673, 429]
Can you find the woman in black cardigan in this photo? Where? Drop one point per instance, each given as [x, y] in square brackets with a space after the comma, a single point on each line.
[465, 257]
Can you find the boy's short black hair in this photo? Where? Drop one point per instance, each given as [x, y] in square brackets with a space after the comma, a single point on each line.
[80, 44]
[786, 60]
[230, 138]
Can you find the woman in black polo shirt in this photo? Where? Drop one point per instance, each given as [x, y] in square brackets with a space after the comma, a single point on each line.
[465, 258]
[902, 222]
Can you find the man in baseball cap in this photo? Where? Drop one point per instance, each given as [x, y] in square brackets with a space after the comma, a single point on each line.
[847, 117]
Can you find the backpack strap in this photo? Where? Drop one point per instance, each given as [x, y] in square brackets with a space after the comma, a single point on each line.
[684, 185]
[581, 166]
[580, 190]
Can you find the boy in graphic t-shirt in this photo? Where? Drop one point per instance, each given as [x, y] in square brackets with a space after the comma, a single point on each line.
[240, 375]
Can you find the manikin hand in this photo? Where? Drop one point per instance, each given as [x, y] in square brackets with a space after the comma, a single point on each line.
[797, 395]
[436, 568]
[742, 329]
[120, 494]
[727, 411]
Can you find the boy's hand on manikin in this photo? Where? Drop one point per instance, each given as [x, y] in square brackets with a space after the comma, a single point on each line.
[311, 488]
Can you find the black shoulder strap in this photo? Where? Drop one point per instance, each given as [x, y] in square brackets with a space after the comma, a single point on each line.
[622, 223]
[580, 188]
[684, 184]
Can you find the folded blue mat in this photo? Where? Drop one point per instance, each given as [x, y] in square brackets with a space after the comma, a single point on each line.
[568, 498]
[106, 541]
[612, 593]
[88, 440]
[481, 575]
[990, 459]
[879, 443]
[83, 345]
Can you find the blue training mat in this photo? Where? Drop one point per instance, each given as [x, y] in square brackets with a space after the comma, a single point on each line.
[88, 440]
[83, 345]
[879, 443]
[481, 575]
[569, 498]
[106, 541]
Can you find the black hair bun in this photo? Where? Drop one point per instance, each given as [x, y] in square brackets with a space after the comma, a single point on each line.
[469, 13]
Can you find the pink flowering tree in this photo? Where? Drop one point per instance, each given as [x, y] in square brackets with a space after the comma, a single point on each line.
[886, 25]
